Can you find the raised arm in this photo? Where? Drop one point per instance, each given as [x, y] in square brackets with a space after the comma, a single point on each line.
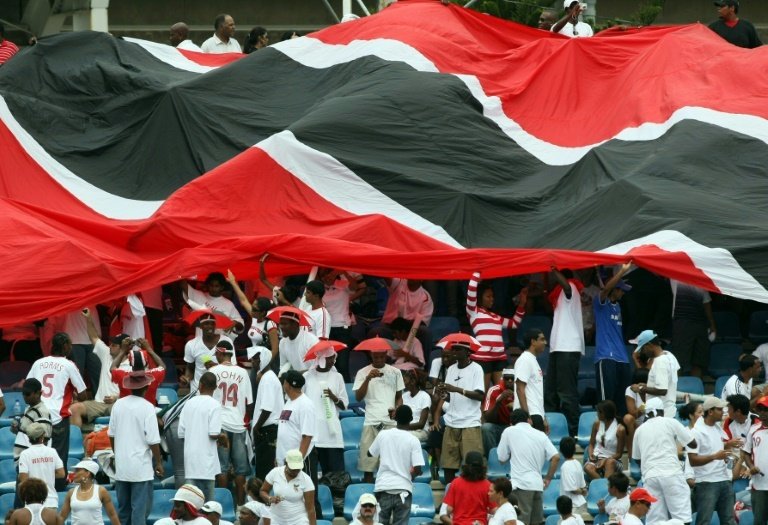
[144, 345]
[571, 15]
[562, 281]
[93, 334]
[263, 272]
[244, 302]
[611, 284]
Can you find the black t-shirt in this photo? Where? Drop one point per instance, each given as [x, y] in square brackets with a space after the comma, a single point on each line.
[743, 34]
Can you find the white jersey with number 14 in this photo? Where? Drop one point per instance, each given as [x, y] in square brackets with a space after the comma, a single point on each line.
[233, 391]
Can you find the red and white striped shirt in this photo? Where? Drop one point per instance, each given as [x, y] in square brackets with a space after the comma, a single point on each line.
[487, 325]
[7, 50]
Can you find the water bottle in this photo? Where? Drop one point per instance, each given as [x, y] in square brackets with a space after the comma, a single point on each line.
[17, 408]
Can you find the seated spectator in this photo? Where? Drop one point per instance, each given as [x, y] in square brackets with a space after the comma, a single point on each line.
[740, 419]
[569, 24]
[257, 38]
[565, 509]
[420, 402]
[179, 38]
[737, 31]
[499, 402]
[635, 405]
[254, 513]
[34, 493]
[223, 39]
[690, 413]
[499, 495]
[618, 506]
[366, 512]
[606, 443]
[742, 381]
[7, 48]
[468, 500]
[187, 503]
[255, 504]
[404, 358]
[408, 299]
[640, 503]
[212, 511]
[572, 483]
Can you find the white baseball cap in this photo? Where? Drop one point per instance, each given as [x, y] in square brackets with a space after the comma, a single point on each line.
[212, 506]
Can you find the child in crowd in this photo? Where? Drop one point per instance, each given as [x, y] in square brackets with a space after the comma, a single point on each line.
[618, 505]
[565, 509]
[572, 484]
[254, 502]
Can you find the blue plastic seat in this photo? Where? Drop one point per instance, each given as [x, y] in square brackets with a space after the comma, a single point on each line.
[161, 505]
[103, 420]
[357, 361]
[720, 384]
[598, 489]
[554, 519]
[171, 379]
[545, 467]
[496, 469]
[558, 427]
[325, 498]
[423, 521]
[355, 407]
[10, 399]
[352, 494]
[7, 476]
[541, 322]
[442, 326]
[690, 384]
[6, 503]
[323, 522]
[350, 464]
[723, 359]
[76, 449]
[224, 496]
[740, 485]
[7, 439]
[758, 327]
[422, 504]
[634, 470]
[586, 420]
[747, 518]
[173, 396]
[550, 496]
[728, 330]
[600, 519]
[352, 431]
[426, 473]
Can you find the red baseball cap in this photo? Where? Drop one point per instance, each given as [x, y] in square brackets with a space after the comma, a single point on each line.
[642, 495]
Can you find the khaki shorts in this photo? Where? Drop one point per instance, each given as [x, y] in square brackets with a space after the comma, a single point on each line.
[366, 463]
[94, 409]
[457, 442]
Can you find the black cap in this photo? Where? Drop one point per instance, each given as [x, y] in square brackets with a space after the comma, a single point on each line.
[727, 3]
[293, 378]
[118, 339]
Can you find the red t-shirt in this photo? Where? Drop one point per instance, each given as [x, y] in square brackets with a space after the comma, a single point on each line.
[490, 400]
[157, 373]
[469, 500]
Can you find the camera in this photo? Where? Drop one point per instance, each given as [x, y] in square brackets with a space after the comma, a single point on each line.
[583, 6]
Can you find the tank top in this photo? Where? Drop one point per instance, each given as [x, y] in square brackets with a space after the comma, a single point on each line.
[605, 440]
[87, 512]
[36, 510]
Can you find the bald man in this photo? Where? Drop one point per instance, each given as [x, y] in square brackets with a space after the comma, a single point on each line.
[179, 37]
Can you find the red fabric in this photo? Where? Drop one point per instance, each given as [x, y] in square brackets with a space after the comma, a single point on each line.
[469, 500]
[157, 373]
[731, 23]
[7, 50]
[210, 59]
[502, 413]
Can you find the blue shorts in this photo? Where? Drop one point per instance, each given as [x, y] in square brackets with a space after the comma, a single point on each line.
[237, 453]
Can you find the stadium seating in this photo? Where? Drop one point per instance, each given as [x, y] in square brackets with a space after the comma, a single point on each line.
[352, 431]
[76, 449]
[357, 361]
[545, 467]
[550, 496]
[426, 474]
[350, 464]
[634, 470]
[758, 327]
[6, 503]
[720, 384]
[422, 504]
[171, 379]
[723, 359]
[352, 494]
[728, 330]
[442, 326]
[690, 384]
[558, 427]
[419, 521]
[598, 489]
[161, 505]
[7, 439]
[554, 519]
[496, 469]
[172, 395]
[7, 476]
[586, 420]
[740, 485]
[323, 522]
[10, 399]
[747, 518]
[325, 498]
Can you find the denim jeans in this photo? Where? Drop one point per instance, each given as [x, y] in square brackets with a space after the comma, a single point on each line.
[205, 485]
[134, 501]
[491, 436]
[711, 497]
[393, 507]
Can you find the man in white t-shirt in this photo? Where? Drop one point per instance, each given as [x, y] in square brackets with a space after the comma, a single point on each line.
[312, 303]
[235, 394]
[267, 409]
[529, 380]
[561, 393]
[60, 379]
[341, 288]
[135, 438]
[381, 387]
[662, 379]
[400, 460]
[42, 462]
[200, 351]
[640, 503]
[655, 448]
[213, 300]
[295, 343]
[298, 426]
[187, 503]
[178, 37]
[714, 481]
[325, 387]
[754, 454]
[527, 451]
[465, 383]
[200, 428]
[742, 382]
[223, 39]
[570, 25]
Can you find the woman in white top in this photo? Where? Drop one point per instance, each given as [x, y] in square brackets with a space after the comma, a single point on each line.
[635, 405]
[498, 493]
[33, 492]
[293, 502]
[606, 444]
[86, 500]
[420, 402]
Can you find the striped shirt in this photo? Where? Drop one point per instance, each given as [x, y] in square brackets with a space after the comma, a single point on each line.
[487, 325]
[7, 50]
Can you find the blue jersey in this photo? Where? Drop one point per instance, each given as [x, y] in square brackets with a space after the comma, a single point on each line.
[609, 336]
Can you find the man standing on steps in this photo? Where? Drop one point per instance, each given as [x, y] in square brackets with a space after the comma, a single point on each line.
[201, 350]
[223, 39]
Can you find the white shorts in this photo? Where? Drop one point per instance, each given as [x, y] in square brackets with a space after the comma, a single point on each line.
[674, 497]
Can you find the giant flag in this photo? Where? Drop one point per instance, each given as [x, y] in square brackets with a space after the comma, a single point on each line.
[427, 141]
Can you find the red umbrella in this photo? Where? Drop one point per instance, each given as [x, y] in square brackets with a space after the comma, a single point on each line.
[459, 339]
[291, 311]
[336, 346]
[377, 344]
[222, 321]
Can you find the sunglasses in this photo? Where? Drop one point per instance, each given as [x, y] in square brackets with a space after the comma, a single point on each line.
[367, 505]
